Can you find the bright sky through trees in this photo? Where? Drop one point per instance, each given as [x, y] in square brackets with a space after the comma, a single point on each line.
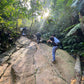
[46, 13]
[26, 4]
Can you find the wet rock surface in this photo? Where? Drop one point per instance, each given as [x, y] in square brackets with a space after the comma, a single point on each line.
[30, 63]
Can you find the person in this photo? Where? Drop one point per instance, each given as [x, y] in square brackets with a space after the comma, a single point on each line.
[55, 43]
[38, 35]
[24, 31]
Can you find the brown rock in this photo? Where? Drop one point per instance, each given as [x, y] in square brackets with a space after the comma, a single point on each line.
[7, 77]
[2, 68]
[32, 65]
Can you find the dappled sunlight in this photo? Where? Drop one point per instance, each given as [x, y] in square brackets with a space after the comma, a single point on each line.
[29, 6]
[42, 24]
[26, 4]
[46, 13]
[39, 18]
[43, 17]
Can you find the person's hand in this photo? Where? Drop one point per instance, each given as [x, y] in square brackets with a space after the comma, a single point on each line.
[49, 41]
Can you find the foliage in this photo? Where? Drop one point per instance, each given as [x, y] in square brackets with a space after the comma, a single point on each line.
[68, 28]
[60, 18]
[15, 14]
[12, 12]
[73, 30]
[73, 44]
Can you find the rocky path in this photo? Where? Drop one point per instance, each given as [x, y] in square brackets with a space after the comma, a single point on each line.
[30, 63]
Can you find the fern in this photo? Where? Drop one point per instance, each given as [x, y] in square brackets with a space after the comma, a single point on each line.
[69, 3]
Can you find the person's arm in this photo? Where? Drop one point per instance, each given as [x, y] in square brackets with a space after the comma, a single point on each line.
[49, 41]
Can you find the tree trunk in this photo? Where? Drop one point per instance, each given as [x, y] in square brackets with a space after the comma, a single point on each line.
[82, 23]
[78, 70]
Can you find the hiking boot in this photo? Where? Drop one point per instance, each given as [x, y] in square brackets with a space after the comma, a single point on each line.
[54, 62]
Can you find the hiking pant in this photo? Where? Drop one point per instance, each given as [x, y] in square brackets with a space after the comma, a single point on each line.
[53, 52]
[38, 40]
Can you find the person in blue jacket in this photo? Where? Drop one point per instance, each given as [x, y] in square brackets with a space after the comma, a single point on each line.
[54, 42]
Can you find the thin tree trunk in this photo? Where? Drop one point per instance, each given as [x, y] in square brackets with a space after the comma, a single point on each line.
[31, 25]
[78, 70]
[16, 25]
[82, 23]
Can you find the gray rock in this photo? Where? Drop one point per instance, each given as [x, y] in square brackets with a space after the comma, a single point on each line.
[32, 64]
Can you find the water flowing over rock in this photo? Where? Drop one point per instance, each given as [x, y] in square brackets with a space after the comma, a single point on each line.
[30, 63]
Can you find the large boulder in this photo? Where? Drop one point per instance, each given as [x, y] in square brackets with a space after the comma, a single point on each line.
[31, 64]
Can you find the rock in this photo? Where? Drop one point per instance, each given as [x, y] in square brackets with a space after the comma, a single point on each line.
[7, 77]
[3, 60]
[23, 66]
[37, 64]
[65, 64]
[43, 59]
[6, 55]
[31, 64]
[22, 41]
[2, 69]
